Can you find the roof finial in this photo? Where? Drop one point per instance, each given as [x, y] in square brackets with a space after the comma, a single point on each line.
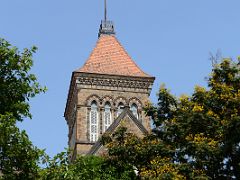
[105, 10]
[106, 26]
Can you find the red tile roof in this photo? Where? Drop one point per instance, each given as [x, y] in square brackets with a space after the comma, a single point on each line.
[109, 57]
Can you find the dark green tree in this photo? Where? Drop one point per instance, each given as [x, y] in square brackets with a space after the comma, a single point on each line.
[18, 157]
[83, 168]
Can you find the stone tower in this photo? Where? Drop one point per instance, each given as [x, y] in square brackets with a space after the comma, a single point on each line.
[108, 89]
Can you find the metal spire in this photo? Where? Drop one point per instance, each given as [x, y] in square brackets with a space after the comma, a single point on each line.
[105, 10]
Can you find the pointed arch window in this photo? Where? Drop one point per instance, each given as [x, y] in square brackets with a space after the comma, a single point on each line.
[107, 116]
[120, 108]
[93, 122]
[134, 110]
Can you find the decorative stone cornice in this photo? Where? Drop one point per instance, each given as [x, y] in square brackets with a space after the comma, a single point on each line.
[113, 82]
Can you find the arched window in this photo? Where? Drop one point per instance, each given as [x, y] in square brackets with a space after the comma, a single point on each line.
[134, 110]
[93, 122]
[120, 108]
[107, 116]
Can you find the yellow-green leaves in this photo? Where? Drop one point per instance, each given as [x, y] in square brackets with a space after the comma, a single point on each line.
[203, 129]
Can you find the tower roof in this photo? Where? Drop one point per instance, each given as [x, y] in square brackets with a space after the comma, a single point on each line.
[109, 57]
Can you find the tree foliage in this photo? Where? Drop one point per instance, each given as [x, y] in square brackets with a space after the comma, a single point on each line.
[18, 157]
[204, 129]
[83, 168]
[17, 84]
[148, 158]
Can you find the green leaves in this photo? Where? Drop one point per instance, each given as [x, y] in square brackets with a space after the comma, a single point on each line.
[18, 157]
[17, 85]
[204, 127]
[83, 168]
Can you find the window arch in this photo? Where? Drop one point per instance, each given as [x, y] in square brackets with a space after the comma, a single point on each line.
[107, 117]
[134, 110]
[120, 108]
[93, 122]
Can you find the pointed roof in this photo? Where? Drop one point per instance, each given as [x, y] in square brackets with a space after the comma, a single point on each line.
[126, 113]
[109, 57]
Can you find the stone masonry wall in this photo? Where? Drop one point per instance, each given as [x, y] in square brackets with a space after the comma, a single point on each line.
[99, 91]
